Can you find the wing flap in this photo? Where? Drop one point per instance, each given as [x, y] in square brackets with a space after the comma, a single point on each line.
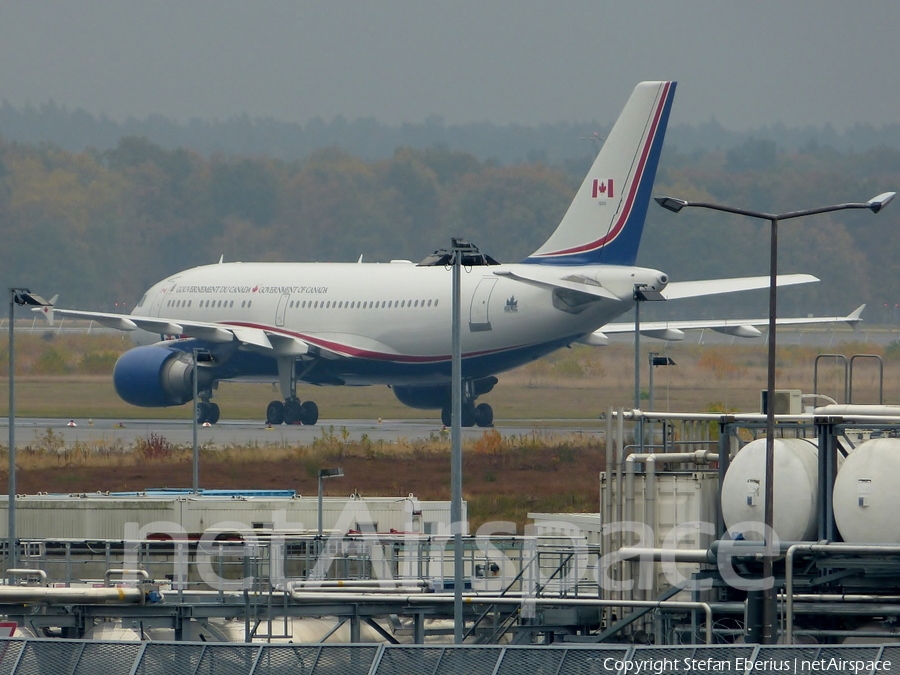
[286, 345]
[161, 326]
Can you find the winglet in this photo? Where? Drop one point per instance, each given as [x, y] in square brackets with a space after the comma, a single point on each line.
[47, 311]
[854, 318]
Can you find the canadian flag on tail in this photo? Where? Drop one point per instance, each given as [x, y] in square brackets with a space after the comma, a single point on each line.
[602, 189]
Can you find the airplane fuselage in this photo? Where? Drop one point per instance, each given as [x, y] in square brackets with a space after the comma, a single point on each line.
[390, 323]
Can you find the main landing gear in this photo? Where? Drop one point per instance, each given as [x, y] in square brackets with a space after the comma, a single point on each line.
[207, 412]
[292, 411]
[481, 415]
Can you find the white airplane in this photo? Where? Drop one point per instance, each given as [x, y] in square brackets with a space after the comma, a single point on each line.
[390, 323]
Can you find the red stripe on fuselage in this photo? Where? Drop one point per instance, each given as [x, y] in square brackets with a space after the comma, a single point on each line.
[355, 352]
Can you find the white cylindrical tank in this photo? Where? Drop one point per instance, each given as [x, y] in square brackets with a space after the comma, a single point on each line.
[867, 493]
[796, 488]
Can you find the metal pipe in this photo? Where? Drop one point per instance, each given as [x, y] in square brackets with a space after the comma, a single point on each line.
[827, 549]
[69, 596]
[319, 505]
[433, 598]
[194, 446]
[361, 583]
[456, 447]
[681, 555]
[617, 539]
[607, 515]
[28, 572]
[11, 548]
[114, 571]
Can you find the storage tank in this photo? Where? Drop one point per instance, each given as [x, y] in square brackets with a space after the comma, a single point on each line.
[867, 493]
[796, 488]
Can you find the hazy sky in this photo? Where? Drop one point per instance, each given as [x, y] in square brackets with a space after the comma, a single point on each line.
[747, 64]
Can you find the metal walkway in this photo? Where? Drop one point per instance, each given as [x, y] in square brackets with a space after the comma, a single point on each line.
[79, 657]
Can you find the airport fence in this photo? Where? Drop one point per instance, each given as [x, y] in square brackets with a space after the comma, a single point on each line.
[80, 657]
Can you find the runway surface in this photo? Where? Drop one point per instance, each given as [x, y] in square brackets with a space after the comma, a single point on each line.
[33, 431]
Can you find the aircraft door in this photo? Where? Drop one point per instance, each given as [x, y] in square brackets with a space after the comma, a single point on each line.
[160, 296]
[281, 309]
[479, 318]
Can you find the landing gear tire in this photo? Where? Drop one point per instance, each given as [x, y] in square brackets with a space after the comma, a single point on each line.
[484, 415]
[207, 413]
[469, 415]
[309, 413]
[293, 412]
[275, 413]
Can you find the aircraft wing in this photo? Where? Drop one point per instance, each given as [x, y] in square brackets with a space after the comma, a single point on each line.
[692, 289]
[745, 328]
[248, 336]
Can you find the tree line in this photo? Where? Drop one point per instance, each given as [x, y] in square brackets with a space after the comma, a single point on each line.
[99, 227]
[370, 139]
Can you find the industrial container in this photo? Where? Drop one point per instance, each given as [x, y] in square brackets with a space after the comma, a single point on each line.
[867, 493]
[795, 495]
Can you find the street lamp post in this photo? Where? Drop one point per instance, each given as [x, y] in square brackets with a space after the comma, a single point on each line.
[875, 205]
[462, 254]
[195, 482]
[17, 296]
[323, 474]
[640, 294]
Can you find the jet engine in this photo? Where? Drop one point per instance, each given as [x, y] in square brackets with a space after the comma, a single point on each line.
[154, 376]
[430, 396]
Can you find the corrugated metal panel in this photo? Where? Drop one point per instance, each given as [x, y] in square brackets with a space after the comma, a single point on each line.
[106, 516]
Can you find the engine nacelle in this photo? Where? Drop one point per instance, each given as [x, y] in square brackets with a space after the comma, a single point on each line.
[155, 377]
[431, 396]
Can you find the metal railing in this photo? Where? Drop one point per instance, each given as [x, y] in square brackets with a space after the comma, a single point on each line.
[75, 657]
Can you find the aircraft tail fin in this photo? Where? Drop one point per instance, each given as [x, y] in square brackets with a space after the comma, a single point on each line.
[605, 220]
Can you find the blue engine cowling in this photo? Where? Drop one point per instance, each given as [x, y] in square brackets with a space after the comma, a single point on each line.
[154, 377]
[430, 396]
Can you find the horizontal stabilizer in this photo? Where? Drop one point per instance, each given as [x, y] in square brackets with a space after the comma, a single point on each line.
[571, 283]
[677, 290]
[47, 311]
